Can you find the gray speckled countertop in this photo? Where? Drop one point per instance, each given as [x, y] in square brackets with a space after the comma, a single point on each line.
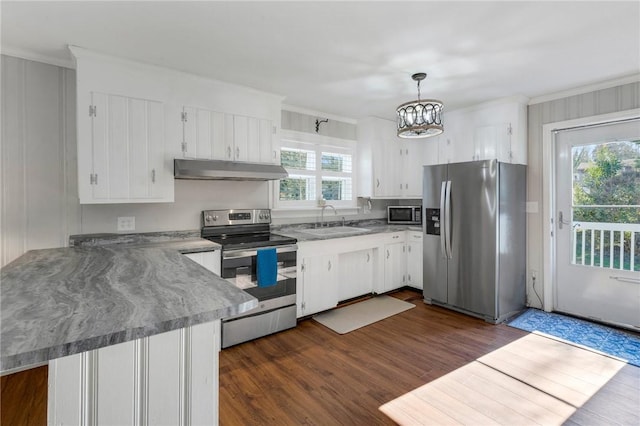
[371, 226]
[58, 302]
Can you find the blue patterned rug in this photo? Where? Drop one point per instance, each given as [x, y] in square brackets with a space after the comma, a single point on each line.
[595, 336]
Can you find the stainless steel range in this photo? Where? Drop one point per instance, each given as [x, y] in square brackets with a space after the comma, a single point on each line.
[242, 233]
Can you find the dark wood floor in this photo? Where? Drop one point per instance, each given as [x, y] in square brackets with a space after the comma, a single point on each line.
[23, 398]
[312, 376]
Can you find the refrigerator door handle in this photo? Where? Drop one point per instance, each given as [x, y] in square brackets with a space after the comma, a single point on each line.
[443, 229]
[448, 220]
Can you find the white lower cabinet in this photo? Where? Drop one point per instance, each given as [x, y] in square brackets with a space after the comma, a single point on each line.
[414, 259]
[317, 283]
[166, 379]
[395, 266]
[334, 270]
[208, 259]
[356, 272]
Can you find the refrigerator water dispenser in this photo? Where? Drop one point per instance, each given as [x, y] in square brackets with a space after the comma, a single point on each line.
[432, 218]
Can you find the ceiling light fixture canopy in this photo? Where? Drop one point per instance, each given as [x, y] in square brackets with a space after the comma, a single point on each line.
[420, 118]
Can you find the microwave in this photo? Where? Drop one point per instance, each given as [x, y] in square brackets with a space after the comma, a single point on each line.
[404, 215]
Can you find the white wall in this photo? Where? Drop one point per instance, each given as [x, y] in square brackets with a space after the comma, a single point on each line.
[191, 197]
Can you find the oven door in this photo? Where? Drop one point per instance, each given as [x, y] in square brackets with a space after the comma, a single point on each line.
[239, 267]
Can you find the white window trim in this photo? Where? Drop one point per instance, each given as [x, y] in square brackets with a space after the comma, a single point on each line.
[294, 139]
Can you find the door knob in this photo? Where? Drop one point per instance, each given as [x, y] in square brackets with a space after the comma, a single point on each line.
[561, 220]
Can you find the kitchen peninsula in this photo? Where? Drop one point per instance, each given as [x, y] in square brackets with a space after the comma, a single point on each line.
[135, 324]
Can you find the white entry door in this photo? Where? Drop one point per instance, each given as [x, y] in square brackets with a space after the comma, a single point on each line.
[597, 222]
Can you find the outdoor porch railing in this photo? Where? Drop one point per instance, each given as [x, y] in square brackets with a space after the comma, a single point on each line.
[607, 245]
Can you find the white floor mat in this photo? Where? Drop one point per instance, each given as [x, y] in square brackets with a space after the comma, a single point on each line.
[349, 318]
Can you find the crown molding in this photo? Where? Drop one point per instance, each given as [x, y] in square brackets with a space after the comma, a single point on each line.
[634, 78]
[37, 57]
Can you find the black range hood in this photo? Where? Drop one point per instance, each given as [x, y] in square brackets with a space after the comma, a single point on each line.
[226, 170]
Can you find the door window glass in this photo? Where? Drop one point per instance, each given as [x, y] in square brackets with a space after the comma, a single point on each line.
[606, 204]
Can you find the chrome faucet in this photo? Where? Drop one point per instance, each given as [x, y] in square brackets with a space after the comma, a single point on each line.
[322, 213]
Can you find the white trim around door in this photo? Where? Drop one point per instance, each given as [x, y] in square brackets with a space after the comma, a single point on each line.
[548, 190]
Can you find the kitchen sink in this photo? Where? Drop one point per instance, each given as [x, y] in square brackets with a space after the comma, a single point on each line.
[335, 230]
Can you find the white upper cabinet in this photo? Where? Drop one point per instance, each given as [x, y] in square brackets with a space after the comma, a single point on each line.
[413, 159]
[134, 119]
[121, 135]
[390, 167]
[203, 134]
[493, 130]
[213, 135]
[122, 159]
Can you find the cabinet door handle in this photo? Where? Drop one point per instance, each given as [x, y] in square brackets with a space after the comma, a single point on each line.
[387, 254]
[409, 277]
[368, 257]
[377, 183]
[153, 175]
[228, 152]
[396, 237]
[275, 154]
[329, 266]
[409, 249]
[237, 152]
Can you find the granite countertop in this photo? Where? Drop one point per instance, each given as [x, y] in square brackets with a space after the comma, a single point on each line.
[63, 301]
[371, 226]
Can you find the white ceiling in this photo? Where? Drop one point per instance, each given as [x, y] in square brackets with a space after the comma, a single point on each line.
[351, 59]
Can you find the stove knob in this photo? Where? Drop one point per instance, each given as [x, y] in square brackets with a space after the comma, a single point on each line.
[215, 218]
[208, 218]
[261, 216]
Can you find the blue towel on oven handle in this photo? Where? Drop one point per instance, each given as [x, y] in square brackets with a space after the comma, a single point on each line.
[267, 267]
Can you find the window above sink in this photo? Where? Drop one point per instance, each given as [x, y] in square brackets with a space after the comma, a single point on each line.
[319, 167]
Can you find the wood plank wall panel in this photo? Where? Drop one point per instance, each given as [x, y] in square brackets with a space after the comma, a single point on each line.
[605, 101]
[307, 123]
[12, 155]
[39, 204]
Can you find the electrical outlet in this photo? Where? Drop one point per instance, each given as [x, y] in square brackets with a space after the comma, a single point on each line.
[126, 223]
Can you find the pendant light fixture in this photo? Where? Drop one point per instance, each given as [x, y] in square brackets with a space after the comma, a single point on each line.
[421, 118]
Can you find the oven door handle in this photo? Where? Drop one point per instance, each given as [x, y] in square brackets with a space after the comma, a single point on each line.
[248, 253]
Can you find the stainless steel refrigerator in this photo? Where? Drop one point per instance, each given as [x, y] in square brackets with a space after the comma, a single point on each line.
[475, 235]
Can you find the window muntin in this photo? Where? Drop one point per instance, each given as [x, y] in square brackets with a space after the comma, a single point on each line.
[316, 170]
